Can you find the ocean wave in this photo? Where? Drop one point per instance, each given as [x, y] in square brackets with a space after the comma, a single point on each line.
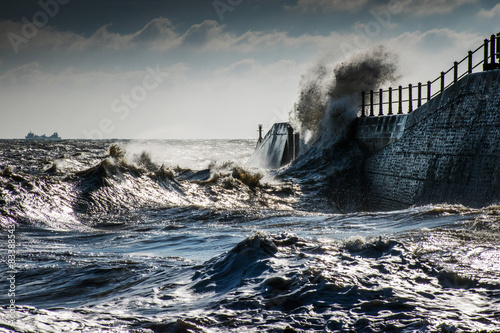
[121, 242]
[119, 185]
[358, 284]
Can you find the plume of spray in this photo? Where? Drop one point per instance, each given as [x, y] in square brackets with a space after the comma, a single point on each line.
[330, 163]
[328, 105]
[313, 98]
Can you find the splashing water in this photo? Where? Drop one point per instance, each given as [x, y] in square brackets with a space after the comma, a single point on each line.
[114, 241]
[330, 162]
[327, 107]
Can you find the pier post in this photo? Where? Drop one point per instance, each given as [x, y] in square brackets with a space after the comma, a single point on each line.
[470, 62]
[410, 98]
[259, 141]
[371, 103]
[380, 103]
[429, 83]
[363, 104]
[442, 81]
[400, 102]
[390, 102]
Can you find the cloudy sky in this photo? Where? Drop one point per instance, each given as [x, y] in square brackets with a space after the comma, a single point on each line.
[202, 68]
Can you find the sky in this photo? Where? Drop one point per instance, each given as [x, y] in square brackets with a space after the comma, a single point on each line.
[205, 69]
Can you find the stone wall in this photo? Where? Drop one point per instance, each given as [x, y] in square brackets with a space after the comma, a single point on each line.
[448, 152]
[374, 133]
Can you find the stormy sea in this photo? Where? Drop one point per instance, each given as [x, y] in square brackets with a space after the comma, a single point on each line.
[182, 236]
[194, 236]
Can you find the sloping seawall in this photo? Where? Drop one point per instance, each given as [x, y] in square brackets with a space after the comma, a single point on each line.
[278, 147]
[446, 151]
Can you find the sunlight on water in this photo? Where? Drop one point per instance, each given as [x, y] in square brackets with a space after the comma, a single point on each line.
[112, 244]
[193, 154]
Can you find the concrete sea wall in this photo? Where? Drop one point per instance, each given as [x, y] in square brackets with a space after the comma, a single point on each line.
[446, 151]
[279, 147]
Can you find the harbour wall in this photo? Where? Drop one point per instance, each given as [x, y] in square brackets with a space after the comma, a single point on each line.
[279, 147]
[446, 151]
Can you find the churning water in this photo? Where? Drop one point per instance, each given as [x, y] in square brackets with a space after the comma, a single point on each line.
[180, 236]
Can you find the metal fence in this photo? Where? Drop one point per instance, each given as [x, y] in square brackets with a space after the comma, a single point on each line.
[404, 99]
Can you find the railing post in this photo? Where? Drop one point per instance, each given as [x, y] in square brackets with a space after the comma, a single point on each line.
[442, 81]
[492, 49]
[371, 103]
[380, 103]
[410, 98]
[363, 104]
[470, 62]
[390, 102]
[485, 63]
[400, 102]
[429, 83]
[419, 103]
[455, 72]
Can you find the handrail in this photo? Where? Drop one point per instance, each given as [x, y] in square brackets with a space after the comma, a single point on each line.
[491, 48]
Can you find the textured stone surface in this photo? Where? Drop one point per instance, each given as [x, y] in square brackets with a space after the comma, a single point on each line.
[448, 152]
[374, 133]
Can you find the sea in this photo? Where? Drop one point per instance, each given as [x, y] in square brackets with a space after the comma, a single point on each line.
[184, 236]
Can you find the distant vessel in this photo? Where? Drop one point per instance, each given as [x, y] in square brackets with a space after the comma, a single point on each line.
[32, 136]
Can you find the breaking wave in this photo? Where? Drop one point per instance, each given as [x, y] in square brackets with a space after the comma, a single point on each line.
[115, 241]
[113, 238]
[117, 185]
[328, 105]
[330, 163]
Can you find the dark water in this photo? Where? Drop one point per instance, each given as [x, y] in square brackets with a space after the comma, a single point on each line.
[179, 236]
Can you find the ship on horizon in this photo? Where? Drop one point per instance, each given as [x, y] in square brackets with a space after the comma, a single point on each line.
[32, 136]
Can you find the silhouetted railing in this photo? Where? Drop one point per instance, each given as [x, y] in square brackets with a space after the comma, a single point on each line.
[403, 99]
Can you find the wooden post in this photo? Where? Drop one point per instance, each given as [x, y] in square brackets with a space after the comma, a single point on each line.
[429, 83]
[400, 102]
[442, 81]
[390, 102]
[380, 103]
[410, 98]
[259, 141]
[371, 103]
[470, 62]
[363, 104]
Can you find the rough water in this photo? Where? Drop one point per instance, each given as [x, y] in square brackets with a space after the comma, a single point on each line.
[181, 236]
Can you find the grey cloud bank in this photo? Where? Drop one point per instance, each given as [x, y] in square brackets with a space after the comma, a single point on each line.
[229, 61]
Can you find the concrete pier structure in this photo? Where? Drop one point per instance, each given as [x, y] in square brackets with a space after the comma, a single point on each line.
[279, 147]
[445, 151]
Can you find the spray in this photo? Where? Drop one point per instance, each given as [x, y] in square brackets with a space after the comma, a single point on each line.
[327, 106]
[329, 167]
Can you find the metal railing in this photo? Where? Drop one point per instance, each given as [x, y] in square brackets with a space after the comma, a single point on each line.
[383, 102]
